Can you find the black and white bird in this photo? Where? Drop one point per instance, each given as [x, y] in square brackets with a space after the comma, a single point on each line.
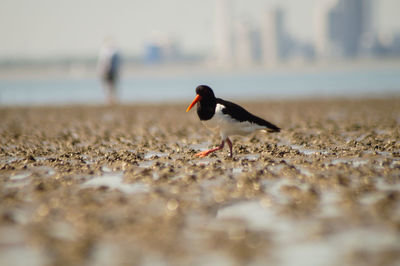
[226, 118]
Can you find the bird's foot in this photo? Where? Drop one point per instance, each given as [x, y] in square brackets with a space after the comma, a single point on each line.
[202, 154]
[207, 152]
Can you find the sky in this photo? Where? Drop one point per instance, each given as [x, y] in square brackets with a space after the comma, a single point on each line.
[52, 28]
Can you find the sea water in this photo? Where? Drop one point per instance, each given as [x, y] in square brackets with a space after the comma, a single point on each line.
[361, 82]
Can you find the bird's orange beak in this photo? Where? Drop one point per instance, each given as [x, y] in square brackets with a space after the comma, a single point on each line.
[198, 98]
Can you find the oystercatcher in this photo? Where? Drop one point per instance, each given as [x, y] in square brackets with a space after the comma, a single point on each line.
[226, 118]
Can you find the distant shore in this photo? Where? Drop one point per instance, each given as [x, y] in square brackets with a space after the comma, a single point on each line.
[35, 69]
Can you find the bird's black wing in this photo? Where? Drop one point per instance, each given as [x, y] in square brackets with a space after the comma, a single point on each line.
[239, 113]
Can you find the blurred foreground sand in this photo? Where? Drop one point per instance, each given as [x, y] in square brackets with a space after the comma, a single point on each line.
[87, 185]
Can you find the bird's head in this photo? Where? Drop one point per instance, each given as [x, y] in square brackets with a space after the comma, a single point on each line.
[204, 94]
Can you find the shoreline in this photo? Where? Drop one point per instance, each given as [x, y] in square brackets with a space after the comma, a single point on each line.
[76, 70]
[159, 104]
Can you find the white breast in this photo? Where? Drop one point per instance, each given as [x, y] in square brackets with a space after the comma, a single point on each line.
[226, 125]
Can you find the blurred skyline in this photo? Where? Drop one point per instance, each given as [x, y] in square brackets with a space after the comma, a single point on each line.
[50, 29]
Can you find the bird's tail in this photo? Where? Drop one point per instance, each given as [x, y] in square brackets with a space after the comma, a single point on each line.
[271, 127]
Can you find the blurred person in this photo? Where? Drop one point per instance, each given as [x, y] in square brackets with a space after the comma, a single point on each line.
[108, 68]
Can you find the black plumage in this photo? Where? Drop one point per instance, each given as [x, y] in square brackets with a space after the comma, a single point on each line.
[240, 114]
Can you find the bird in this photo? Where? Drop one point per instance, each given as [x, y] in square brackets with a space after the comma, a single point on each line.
[225, 118]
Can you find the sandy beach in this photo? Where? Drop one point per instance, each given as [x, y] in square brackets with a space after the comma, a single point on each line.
[97, 185]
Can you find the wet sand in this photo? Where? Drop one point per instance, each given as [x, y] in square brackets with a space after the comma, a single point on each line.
[91, 185]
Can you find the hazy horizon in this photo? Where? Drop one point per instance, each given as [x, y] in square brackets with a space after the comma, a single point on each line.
[46, 28]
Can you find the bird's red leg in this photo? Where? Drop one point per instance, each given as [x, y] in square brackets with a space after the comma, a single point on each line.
[230, 146]
[207, 152]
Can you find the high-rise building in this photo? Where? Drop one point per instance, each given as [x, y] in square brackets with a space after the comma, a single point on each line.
[245, 44]
[345, 27]
[223, 33]
[341, 26]
[322, 42]
[370, 31]
[272, 36]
